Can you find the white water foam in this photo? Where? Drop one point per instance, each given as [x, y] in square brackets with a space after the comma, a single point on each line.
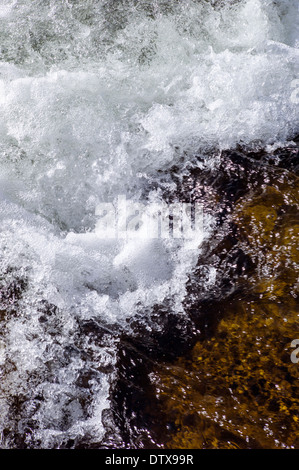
[96, 97]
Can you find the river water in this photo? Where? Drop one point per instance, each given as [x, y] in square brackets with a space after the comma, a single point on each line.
[100, 100]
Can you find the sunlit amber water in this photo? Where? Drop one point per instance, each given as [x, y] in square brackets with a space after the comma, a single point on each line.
[238, 386]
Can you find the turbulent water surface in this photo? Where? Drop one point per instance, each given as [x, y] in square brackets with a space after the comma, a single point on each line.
[101, 99]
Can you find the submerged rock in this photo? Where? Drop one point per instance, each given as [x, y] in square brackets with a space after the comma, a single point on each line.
[238, 386]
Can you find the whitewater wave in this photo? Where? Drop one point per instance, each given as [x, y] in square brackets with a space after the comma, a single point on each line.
[99, 99]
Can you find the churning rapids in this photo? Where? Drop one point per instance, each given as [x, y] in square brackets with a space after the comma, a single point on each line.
[103, 98]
